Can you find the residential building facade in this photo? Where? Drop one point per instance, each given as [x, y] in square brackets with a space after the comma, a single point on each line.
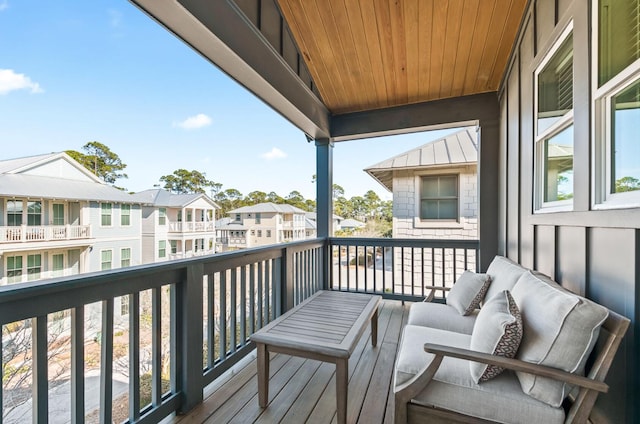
[58, 219]
[176, 226]
[262, 224]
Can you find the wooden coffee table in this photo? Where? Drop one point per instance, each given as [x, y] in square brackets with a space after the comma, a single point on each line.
[325, 327]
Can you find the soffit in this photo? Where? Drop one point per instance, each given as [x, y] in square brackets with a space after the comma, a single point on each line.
[374, 54]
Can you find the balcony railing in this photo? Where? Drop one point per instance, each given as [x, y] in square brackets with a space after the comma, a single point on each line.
[190, 227]
[169, 329]
[27, 233]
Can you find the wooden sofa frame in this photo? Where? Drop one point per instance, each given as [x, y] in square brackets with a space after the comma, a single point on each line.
[579, 408]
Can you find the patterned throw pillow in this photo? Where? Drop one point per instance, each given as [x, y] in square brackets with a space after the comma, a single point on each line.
[498, 331]
[468, 291]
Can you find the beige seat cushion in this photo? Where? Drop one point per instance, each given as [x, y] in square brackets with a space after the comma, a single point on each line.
[440, 316]
[560, 330]
[499, 399]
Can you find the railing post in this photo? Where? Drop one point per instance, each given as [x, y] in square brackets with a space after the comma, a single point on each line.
[190, 350]
[288, 280]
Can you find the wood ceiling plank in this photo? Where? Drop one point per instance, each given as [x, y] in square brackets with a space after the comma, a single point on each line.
[506, 43]
[438, 36]
[372, 35]
[452, 37]
[480, 31]
[398, 34]
[310, 52]
[412, 42]
[386, 47]
[467, 25]
[491, 47]
[363, 49]
[425, 13]
[348, 53]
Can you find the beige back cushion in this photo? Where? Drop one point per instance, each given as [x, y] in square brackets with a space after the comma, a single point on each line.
[560, 330]
[504, 275]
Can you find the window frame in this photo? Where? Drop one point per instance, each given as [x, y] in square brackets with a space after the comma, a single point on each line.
[602, 196]
[162, 216]
[123, 259]
[57, 272]
[14, 213]
[103, 262]
[34, 215]
[16, 278]
[38, 274]
[56, 219]
[125, 207]
[419, 198]
[162, 249]
[540, 137]
[104, 215]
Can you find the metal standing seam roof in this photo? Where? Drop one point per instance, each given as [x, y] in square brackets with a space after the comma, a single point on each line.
[459, 148]
[160, 197]
[268, 207]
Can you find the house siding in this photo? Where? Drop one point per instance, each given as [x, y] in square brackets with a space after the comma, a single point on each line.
[591, 252]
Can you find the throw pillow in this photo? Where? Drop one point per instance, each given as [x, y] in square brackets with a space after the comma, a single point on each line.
[468, 291]
[498, 331]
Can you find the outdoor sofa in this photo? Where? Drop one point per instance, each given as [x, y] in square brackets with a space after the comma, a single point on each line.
[450, 355]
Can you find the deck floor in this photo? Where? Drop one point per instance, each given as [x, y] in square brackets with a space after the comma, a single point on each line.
[303, 390]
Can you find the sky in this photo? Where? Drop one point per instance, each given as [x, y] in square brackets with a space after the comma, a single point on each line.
[73, 72]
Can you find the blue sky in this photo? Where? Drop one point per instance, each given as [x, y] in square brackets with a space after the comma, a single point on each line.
[72, 72]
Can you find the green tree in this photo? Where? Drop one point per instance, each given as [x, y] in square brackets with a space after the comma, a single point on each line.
[255, 197]
[100, 160]
[184, 181]
[627, 184]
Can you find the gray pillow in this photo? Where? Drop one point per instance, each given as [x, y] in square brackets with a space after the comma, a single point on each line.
[468, 291]
[498, 331]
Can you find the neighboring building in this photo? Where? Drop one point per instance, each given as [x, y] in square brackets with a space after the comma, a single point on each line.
[312, 225]
[176, 225]
[435, 188]
[352, 224]
[58, 219]
[262, 224]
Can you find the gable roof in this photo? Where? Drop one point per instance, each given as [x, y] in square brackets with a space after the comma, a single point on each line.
[161, 197]
[352, 223]
[459, 148]
[267, 208]
[16, 180]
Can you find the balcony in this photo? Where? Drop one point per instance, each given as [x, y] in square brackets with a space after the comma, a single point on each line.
[156, 339]
[191, 227]
[24, 233]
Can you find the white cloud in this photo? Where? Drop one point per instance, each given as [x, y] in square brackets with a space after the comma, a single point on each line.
[4, 5]
[274, 153]
[193, 122]
[10, 81]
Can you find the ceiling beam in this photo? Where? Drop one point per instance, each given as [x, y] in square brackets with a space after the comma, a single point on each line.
[446, 113]
[220, 32]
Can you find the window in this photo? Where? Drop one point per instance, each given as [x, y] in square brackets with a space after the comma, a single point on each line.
[34, 266]
[14, 269]
[34, 213]
[162, 216]
[253, 232]
[58, 214]
[554, 128]
[125, 257]
[199, 244]
[162, 249]
[259, 233]
[617, 103]
[124, 305]
[179, 216]
[238, 217]
[268, 233]
[189, 216]
[174, 246]
[57, 265]
[258, 217]
[125, 215]
[106, 209]
[14, 213]
[106, 257]
[439, 197]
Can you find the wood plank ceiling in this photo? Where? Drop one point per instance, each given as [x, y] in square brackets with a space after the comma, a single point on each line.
[373, 54]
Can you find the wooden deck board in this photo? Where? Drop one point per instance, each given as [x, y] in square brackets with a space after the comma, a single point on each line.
[303, 390]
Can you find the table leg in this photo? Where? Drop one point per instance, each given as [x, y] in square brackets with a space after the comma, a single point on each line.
[374, 328]
[263, 375]
[342, 385]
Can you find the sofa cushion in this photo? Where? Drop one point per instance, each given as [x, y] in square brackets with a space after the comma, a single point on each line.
[452, 387]
[560, 330]
[504, 275]
[468, 291]
[443, 317]
[498, 331]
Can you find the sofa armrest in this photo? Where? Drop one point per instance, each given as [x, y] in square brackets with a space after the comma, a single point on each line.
[432, 292]
[517, 365]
